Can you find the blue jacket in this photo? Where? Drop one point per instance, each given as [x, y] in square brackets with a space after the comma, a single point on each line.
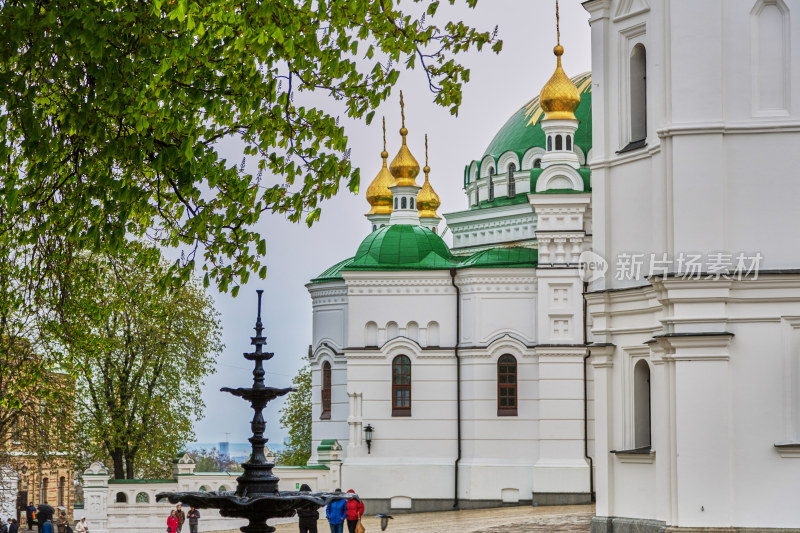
[336, 511]
[47, 527]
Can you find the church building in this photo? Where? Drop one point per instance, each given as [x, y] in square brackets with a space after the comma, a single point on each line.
[618, 317]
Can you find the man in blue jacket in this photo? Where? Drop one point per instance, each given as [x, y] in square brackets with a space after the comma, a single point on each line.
[335, 513]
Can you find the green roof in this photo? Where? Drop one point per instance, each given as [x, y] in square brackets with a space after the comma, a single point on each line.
[409, 247]
[500, 201]
[585, 173]
[334, 273]
[509, 257]
[326, 445]
[402, 247]
[523, 130]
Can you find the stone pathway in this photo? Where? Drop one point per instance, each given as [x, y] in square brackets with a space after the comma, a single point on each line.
[566, 519]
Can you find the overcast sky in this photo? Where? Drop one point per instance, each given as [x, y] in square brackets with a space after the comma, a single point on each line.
[499, 86]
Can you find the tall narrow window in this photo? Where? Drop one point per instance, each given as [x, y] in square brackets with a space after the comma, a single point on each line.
[559, 145]
[537, 163]
[638, 74]
[477, 195]
[641, 404]
[412, 203]
[491, 189]
[401, 386]
[506, 386]
[61, 482]
[395, 203]
[512, 186]
[403, 203]
[569, 142]
[44, 489]
[326, 391]
[549, 143]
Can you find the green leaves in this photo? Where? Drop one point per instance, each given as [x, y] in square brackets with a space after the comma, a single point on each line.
[111, 114]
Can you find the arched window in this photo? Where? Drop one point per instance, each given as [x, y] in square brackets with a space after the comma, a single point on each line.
[638, 74]
[537, 163]
[491, 189]
[142, 497]
[395, 203]
[371, 334]
[45, 482]
[569, 142]
[512, 186]
[223, 488]
[403, 203]
[202, 489]
[326, 391]
[121, 497]
[549, 143]
[433, 334]
[641, 404]
[506, 386]
[477, 195]
[374, 227]
[411, 202]
[491, 171]
[401, 386]
[62, 481]
[558, 142]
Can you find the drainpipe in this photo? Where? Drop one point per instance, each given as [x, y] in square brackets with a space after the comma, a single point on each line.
[458, 385]
[586, 397]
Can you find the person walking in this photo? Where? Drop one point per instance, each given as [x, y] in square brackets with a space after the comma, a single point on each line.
[335, 513]
[355, 509]
[172, 522]
[82, 527]
[4, 526]
[13, 527]
[193, 516]
[181, 516]
[308, 517]
[61, 523]
[30, 511]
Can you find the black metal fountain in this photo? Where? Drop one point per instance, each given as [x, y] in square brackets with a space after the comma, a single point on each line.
[257, 497]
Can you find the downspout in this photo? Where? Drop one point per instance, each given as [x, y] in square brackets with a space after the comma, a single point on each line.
[458, 386]
[586, 397]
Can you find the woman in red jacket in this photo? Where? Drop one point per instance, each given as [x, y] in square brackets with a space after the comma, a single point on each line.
[355, 508]
[172, 522]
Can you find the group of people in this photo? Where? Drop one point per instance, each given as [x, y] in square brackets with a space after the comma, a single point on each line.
[177, 518]
[43, 518]
[10, 526]
[336, 513]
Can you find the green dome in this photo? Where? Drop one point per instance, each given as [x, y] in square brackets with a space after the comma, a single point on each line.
[402, 247]
[334, 273]
[510, 257]
[523, 130]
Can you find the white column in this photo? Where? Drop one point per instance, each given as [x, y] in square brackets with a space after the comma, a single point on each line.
[95, 497]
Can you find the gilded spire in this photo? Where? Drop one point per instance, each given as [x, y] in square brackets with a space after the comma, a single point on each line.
[404, 167]
[559, 97]
[378, 194]
[427, 199]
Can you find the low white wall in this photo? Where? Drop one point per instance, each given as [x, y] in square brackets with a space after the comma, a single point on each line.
[140, 513]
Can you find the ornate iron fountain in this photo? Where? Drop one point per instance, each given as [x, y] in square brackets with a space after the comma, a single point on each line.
[257, 497]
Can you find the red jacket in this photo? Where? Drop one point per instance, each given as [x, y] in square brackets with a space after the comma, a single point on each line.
[172, 523]
[354, 508]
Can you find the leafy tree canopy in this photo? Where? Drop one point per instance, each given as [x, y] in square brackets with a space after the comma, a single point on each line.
[110, 112]
[296, 418]
[139, 356]
[213, 461]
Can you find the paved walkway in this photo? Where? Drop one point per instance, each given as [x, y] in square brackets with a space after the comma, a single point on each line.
[567, 519]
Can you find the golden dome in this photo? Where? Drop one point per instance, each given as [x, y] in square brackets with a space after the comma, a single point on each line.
[559, 97]
[404, 167]
[427, 199]
[378, 194]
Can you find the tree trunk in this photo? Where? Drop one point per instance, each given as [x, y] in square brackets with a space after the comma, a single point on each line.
[119, 467]
[129, 464]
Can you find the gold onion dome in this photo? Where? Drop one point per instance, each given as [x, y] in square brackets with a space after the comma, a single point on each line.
[427, 199]
[378, 194]
[559, 97]
[404, 167]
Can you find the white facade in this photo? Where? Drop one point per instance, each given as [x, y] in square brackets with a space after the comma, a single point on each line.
[713, 440]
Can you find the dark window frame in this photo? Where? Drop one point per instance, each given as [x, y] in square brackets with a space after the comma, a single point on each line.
[326, 391]
[507, 382]
[403, 363]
